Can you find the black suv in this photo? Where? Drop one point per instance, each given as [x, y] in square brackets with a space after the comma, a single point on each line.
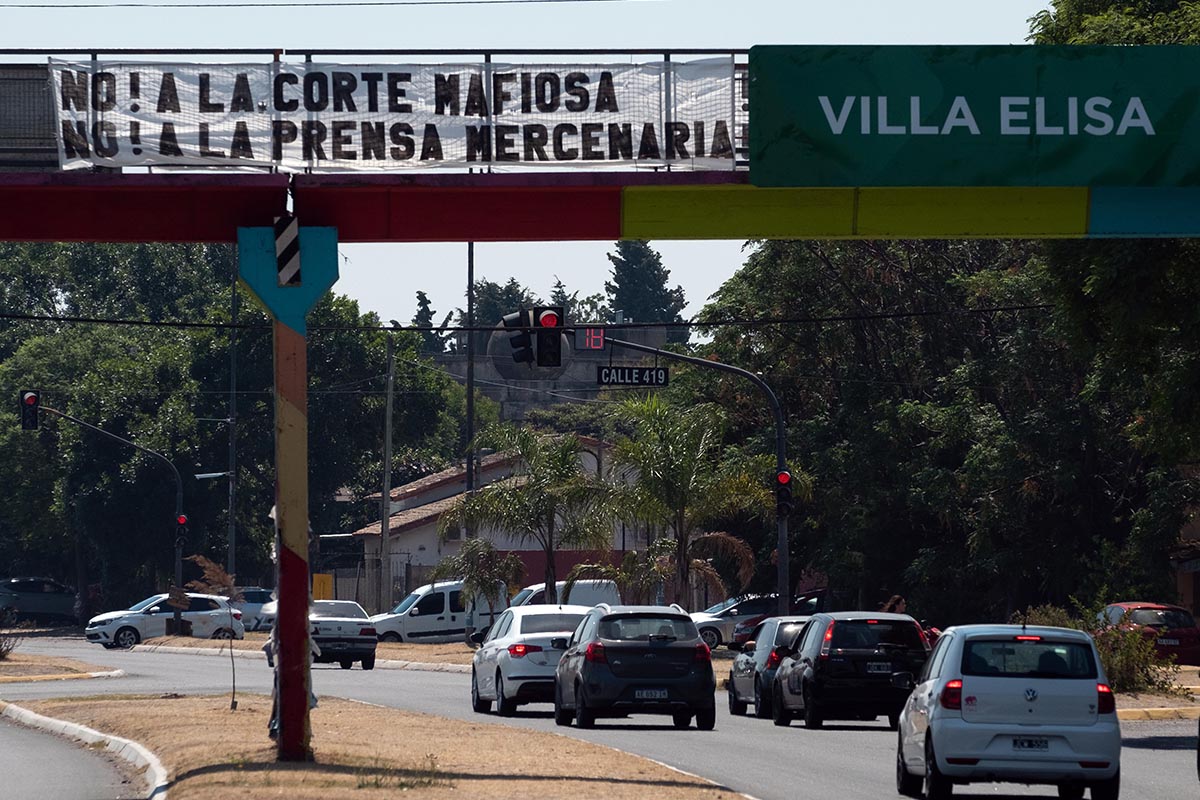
[840, 667]
[625, 660]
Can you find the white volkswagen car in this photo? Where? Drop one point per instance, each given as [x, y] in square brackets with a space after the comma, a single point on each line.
[1007, 703]
[515, 663]
[210, 617]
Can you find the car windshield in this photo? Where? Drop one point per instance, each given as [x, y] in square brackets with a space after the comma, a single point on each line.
[406, 603]
[631, 627]
[1162, 618]
[550, 623]
[721, 606]
[519, 597]
[869, 634]
[335, 608]
[1031, 657]
[149, 601]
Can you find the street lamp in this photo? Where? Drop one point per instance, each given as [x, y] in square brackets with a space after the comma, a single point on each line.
[230, 563]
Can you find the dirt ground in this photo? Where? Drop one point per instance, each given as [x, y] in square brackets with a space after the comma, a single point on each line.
[18, 666]
[365, 751]
[451, 653]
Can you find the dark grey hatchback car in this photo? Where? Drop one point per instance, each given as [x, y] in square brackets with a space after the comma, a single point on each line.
[624, 660]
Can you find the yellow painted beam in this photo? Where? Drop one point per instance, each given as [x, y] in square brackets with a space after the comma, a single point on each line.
[735, 212]
[964, 213]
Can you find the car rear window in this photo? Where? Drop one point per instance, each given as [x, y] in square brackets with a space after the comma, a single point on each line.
[332, 608]
[787, 632]
[550, 623]
[630, 627]
[1034, 658]
[1162, 617]
[868, 634]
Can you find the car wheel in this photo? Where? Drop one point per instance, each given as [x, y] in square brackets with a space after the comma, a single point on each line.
[505, 706]
[907, 784]
[562, 716]
[345, 663]
[681, 719]
[126, 638]
[368, 662]
[1107, 790]
[1070, 791]
[736, 707]
[936, 785]
[584, 716]
[390, 637]
[762, 701]
[222, 633]
[894, 721]
[706, 718]
[812, 714]
[779, 714]
[711, 637]
[478, 704]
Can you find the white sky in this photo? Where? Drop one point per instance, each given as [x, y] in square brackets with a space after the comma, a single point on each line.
[385, 277]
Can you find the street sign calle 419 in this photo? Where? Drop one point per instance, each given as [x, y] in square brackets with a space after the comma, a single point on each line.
[632, 376]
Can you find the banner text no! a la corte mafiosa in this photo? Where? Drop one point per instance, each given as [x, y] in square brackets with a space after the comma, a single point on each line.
[389, 116]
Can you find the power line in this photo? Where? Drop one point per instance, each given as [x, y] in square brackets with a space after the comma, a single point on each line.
[298, 4]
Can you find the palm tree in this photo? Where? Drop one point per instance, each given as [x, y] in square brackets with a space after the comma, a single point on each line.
[637, 577]
[679, 481]
[550, 499]
[484, 572]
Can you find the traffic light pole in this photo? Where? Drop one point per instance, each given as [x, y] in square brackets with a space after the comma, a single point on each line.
[783, 579]
[178, 491]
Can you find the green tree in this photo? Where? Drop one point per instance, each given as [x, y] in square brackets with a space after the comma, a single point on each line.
[679, 481]
[639, 288]
[484, 572]
[550, 499]
[638, 576]
[432, 342]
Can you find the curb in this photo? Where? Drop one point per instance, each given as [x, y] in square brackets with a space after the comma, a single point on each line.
[416, 666]
[124, 749]
[1144, 714]
[69, 676]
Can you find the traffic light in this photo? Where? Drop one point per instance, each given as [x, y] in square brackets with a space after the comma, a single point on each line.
[783, 493]
[518, 336]
[548, 325]
[181, 530]
[30, 402]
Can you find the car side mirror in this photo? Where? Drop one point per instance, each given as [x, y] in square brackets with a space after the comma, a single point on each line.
[152, 610]
[904, 680]
[416, 612]
[749, 645]
[559, 643]
[479, 636]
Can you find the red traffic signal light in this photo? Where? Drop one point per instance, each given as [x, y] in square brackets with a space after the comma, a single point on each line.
[549, 317]
[548, 322]
[30, 402]
[181, 519]
[783, 493]
[783, 477]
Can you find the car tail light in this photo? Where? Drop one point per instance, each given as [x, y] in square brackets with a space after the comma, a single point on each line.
[825, 644]
[237, 614]
[519, 650]
[1107, 701]
[773, 659]
[952, 696]
[702, 652]
[367, 632]
[595, 653]
[1028, 638]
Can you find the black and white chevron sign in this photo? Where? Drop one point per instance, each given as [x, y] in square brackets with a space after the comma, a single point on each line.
[287, 249]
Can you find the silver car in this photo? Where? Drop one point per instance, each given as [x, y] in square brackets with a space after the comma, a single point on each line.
[41, 599]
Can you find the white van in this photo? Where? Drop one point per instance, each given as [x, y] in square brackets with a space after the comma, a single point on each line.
[436, 612]
[583, 593]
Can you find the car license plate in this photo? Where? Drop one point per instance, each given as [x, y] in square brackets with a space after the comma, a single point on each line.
[879, 667]
[1025, 743]
[1174, 642]
[650, 694]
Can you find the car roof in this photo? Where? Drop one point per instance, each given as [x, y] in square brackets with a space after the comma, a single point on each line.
[852, 615]
[1015, 630]
[674, 611]
[1130, 605]
[541, 608]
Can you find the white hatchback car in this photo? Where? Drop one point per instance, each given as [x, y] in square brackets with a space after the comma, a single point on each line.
[1009, 703]
[210, 616]
[515, 663]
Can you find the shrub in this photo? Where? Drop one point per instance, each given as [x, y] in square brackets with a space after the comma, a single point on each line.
[9, 639]
[1128, 657]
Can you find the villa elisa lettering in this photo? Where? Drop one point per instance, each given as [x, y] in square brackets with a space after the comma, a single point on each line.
[1014, 116]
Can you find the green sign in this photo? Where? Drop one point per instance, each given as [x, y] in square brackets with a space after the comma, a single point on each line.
[974, 116]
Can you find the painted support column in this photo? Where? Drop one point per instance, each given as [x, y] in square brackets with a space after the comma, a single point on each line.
[288, 306]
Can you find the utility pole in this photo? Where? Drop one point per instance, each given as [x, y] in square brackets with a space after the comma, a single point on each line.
[231, 559]
[385, 530]
[470, 367]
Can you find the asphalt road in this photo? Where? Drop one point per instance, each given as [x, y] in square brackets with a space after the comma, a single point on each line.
[68, 772]
[843, 761]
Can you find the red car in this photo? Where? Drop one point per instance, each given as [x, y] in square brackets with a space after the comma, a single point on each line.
[1173, 628]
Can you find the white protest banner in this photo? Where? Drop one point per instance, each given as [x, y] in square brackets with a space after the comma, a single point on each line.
[333, 117]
